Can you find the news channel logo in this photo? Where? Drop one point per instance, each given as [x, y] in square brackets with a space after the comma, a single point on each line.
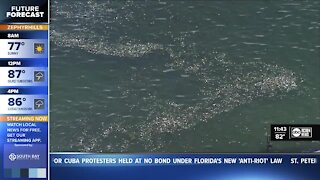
[301, 132]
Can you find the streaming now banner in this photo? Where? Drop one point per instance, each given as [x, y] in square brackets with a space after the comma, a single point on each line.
[185, 166]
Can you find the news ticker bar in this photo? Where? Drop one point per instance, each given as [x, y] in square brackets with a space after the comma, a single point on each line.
[185, 166]
[93, 160]
[295, 132]
[24, 100]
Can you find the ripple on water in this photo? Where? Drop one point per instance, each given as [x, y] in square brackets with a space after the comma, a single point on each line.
[222, 84]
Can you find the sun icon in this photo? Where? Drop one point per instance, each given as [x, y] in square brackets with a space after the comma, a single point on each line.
[38, 48]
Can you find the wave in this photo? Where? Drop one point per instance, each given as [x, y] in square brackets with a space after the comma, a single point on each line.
[223, 84]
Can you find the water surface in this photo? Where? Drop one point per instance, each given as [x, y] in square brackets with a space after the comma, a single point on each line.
[182, 76]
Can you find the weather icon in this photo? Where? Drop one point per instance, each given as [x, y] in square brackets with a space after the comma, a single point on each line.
[38, 48]
[39, 104]
[38, 76]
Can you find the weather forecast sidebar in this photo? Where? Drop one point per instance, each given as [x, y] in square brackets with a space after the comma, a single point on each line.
[24, 89]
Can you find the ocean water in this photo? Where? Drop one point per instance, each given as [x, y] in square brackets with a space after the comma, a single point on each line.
[182, 76]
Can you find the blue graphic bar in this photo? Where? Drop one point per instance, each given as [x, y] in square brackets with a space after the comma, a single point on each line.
[24, 93]
[185, 166]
